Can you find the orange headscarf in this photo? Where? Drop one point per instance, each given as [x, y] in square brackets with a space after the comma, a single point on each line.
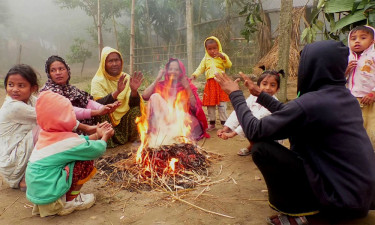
[56, 118]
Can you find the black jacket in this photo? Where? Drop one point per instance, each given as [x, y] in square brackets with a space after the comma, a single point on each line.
[325, 128]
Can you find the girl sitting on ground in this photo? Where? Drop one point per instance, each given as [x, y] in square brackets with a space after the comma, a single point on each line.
[269, 82]
[18, 128]
[59, 165]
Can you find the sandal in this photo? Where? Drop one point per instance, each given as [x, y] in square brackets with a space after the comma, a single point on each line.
[244, 152]
[282, 219]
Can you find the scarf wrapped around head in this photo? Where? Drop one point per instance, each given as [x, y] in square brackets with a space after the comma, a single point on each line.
[77, 97]
[56, 118]
[165, 89]
[103, 84]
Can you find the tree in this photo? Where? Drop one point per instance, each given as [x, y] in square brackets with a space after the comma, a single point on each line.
[108, 8]
[78, 53]
[285, 28]
[341, 16]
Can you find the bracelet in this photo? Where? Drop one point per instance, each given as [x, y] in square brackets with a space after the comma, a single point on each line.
[97, 136]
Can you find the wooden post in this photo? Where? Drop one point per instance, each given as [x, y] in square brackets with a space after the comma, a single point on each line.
[114, 27]
[132, 40]
[100, 39]
[285, 26]
[189, 36]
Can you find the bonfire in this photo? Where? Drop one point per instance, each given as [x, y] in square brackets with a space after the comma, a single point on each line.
[166, 157]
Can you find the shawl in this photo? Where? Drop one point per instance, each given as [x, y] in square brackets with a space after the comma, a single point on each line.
[103, 84]
[77, 97]
[165, 89]
[56, 122]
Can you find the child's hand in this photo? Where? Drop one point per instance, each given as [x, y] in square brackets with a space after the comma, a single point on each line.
[193, 78]
[218, 54]
[253, 88]
[368, 99]
[101, 128]
[108, 133]
[351, 65]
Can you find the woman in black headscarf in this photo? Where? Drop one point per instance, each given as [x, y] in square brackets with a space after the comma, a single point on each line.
[331, 166]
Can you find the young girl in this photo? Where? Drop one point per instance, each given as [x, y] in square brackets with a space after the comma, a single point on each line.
[59, 165]
[269, 82]
[214, 61]
[18, 128]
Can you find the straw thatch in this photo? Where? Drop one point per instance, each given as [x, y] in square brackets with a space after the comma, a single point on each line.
[270, 60]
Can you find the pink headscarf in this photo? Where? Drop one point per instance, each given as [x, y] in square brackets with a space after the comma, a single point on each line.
[164, 88]
[56, 118]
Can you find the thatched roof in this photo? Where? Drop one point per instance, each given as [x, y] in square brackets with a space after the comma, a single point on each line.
[270, 60]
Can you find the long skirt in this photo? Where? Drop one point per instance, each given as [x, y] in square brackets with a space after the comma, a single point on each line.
[126, 130]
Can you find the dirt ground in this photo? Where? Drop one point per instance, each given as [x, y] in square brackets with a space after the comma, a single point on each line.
[240, 193]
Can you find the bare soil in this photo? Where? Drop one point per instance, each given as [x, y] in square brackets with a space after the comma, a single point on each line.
[239, 192]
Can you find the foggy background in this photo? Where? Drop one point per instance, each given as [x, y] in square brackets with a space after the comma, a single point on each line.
[42, 28]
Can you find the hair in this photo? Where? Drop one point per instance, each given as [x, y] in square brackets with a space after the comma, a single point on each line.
[53, 59]
[26, 71]
[366, 29]
[272, 73]
[209, 41]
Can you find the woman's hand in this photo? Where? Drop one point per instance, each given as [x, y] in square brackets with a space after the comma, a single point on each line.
[102, 111]
[160, 75]
[113, 106]
[121, 84]
[185, 82]
[227, 84]
[136, 81]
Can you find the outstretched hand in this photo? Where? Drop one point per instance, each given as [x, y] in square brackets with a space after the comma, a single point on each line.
[253, 88]
[136, 81]
[226, 83]
[121, 84]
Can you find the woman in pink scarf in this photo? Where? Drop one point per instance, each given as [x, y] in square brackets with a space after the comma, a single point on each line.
[175, 86]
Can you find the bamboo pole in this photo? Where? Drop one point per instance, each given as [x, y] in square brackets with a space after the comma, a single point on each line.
[132, 39]
[189, 35]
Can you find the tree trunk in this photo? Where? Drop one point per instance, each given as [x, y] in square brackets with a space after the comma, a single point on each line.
[115, 30]
[132, 40]
[100, 36]
[285, 26]
[189, 36]
[83, 65]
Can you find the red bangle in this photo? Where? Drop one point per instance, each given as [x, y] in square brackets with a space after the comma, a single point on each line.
[371, 95]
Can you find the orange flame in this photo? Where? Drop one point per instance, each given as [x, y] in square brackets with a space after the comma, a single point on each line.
[172, 163]
[172, 124]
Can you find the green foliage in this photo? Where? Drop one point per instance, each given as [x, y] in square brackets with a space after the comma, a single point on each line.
[342, 16]
[107, 7]
[78, 52]
[253, 11]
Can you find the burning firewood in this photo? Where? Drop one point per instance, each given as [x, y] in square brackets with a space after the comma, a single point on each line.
[173, 167]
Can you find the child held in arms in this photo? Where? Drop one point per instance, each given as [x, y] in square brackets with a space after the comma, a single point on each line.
[215, 60]
[361, 74]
